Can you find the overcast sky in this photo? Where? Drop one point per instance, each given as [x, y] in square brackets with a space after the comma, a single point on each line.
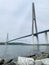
[16, 17]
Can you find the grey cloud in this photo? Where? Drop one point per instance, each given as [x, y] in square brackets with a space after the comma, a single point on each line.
[16, 16]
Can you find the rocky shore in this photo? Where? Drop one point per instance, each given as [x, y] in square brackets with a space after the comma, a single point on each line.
[38, 59]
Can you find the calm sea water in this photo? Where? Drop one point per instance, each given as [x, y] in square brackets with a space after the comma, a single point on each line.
[17, 50]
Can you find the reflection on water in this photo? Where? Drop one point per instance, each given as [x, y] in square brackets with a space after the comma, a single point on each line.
[17, 50]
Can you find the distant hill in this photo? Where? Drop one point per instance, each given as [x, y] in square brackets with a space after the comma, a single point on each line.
[15, 43]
